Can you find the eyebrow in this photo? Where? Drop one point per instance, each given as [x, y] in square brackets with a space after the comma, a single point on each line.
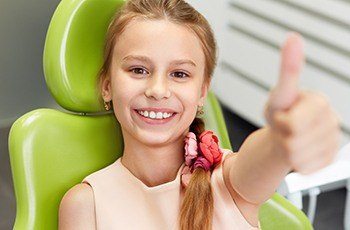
[137, 57]
[147, 60]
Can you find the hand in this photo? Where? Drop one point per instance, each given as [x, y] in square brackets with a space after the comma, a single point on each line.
[305, 128]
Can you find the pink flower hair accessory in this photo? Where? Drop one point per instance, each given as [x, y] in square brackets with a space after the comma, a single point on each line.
[190, 148]
[204, 153]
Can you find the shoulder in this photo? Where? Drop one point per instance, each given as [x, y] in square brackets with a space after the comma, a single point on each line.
[247, 209]
[77, 208]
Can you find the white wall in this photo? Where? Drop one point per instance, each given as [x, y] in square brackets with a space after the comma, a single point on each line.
[250, 33]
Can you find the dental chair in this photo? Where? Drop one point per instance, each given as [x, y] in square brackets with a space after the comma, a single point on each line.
[52, 150]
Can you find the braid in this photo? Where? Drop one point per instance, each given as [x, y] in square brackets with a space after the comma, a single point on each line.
[197, 126]
[197, 208]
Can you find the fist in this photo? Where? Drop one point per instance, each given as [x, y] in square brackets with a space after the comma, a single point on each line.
[304, 127]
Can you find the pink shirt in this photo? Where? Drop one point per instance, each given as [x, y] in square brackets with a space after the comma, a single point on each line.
[122, 201]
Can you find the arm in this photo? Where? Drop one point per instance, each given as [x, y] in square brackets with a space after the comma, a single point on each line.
[77, 209]
[257, 170]
[303, 133]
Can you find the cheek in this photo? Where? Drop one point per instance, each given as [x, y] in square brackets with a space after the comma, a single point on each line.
[189, 97]
[123, 93]
[124, 87]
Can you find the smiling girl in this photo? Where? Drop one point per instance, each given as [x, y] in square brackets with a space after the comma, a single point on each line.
[159, 59]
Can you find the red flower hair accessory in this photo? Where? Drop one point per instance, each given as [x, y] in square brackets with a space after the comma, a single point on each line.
[208, 156]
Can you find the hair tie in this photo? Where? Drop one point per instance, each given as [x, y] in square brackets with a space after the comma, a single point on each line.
[204, 153]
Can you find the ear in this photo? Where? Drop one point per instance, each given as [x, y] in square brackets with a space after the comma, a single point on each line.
[204, 92]
[106, 89]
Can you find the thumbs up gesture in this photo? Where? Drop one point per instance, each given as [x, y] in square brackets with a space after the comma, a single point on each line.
[305, 128]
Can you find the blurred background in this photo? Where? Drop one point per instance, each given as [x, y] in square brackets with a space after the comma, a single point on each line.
[249, 34]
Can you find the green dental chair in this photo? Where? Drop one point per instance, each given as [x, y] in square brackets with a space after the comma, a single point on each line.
[51, 151]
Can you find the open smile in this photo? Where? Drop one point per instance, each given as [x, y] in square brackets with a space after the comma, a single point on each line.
[153, 117]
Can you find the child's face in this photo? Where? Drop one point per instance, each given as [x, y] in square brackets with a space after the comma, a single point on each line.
[156, 64]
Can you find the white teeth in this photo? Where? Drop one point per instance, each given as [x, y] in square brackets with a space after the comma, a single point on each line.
[152, 114]
[159, 115]
[155, 115]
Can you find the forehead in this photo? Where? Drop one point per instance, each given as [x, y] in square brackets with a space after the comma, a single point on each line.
[159, 39]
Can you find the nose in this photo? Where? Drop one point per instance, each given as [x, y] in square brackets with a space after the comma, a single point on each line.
[158, 87]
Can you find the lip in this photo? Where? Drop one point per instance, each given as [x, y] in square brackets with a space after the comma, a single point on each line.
[163, 110]
[154, 121]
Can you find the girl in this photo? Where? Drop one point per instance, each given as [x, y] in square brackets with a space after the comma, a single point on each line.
[159, 59]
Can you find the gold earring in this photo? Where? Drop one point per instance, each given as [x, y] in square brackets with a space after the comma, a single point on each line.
[107, 105]
[200, 110]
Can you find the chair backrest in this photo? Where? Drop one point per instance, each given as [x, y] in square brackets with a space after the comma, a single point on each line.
[51, 151]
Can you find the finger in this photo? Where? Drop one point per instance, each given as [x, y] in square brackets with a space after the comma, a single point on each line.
[316, 157]
[318, 135]
[305, 148]
[329, 157]
[307, 111]
[292, 58]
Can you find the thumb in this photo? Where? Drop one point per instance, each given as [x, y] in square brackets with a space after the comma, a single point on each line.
[292, 58]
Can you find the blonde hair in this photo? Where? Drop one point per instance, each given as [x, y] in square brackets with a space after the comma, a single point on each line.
[197, 207]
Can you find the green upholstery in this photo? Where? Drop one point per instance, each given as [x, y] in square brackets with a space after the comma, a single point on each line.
[51, 151]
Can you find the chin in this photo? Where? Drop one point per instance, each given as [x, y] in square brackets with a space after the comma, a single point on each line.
[155, 138]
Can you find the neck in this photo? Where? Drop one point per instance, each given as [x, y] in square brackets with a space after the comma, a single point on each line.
[153, 165]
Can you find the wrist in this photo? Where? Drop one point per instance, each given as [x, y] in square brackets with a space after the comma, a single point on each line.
[275, 140]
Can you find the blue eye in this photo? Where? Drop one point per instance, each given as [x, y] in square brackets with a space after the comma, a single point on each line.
[138, 71]
[180, 74]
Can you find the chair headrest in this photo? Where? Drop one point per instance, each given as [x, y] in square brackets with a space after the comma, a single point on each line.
[73, 52]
